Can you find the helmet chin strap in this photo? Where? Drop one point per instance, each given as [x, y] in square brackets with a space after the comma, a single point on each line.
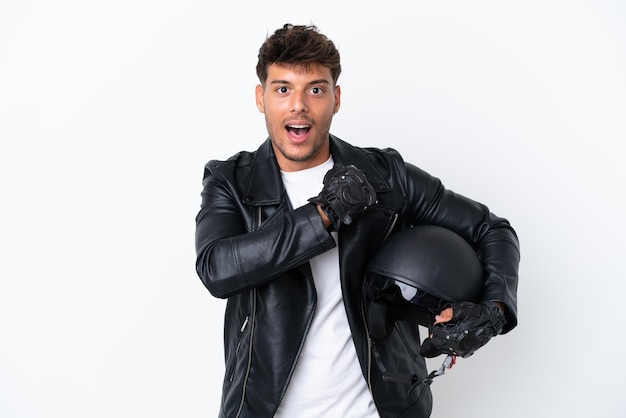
[448, 362]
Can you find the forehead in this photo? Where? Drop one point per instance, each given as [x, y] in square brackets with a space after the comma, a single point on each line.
[298, 73]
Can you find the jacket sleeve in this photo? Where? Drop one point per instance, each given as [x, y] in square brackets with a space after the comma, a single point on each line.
[232, 257]
[494, 240]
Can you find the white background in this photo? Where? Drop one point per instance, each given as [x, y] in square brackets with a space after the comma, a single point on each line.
[109, 110]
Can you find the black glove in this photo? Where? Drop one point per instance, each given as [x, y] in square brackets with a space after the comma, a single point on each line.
[472, 326]
[345, 196]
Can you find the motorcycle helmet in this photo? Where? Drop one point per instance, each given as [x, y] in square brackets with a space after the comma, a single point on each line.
[416, 272]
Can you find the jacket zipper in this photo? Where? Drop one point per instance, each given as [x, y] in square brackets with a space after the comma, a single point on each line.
[367, 331]
[405, 343]
[251, 318]
[393, 223]
[369, 357]
[248, 366]
[241, 337]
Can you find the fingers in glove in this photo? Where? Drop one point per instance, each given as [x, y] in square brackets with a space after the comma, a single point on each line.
[445, 316]
[346, 195]
[429, 350]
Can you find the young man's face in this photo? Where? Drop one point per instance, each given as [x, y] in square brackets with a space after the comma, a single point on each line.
[298, 107]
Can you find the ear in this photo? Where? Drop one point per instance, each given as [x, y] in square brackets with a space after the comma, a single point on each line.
[259, 98]
[337, 99]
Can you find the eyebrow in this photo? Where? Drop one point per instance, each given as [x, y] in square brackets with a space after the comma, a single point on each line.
[320, 81]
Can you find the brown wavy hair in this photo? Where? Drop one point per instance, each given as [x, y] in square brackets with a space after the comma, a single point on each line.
[301, 45]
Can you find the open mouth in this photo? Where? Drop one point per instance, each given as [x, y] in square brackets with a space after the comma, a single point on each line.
[298, 129]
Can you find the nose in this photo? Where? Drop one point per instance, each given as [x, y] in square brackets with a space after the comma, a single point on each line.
[299, 103]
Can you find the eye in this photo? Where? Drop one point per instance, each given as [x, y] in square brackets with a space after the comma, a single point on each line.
[282, 89]
[316, 90]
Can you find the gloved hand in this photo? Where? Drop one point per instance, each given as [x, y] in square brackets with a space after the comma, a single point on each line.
[345, 196]
[472, 326]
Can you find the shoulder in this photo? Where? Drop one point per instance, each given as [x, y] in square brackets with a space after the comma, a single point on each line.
[388, 155]
[240, 162]
[391, 160]
[240, 159]
[382, 158]
[386, 164]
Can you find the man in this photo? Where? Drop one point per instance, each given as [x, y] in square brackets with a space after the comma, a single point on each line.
[285, 234]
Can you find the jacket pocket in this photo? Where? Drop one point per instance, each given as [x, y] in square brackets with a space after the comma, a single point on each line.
[422, 405]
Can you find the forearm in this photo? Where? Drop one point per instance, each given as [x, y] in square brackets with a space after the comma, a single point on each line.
[499, 252]
[230, 263]
[492, 237]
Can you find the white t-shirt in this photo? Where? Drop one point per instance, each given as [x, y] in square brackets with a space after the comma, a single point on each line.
[327, 381]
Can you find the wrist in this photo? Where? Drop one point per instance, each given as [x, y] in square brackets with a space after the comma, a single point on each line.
[325, 219]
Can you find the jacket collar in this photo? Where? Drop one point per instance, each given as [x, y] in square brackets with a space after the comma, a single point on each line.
[265, 182]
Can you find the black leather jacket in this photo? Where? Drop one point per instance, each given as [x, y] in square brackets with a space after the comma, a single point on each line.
[253, 249]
